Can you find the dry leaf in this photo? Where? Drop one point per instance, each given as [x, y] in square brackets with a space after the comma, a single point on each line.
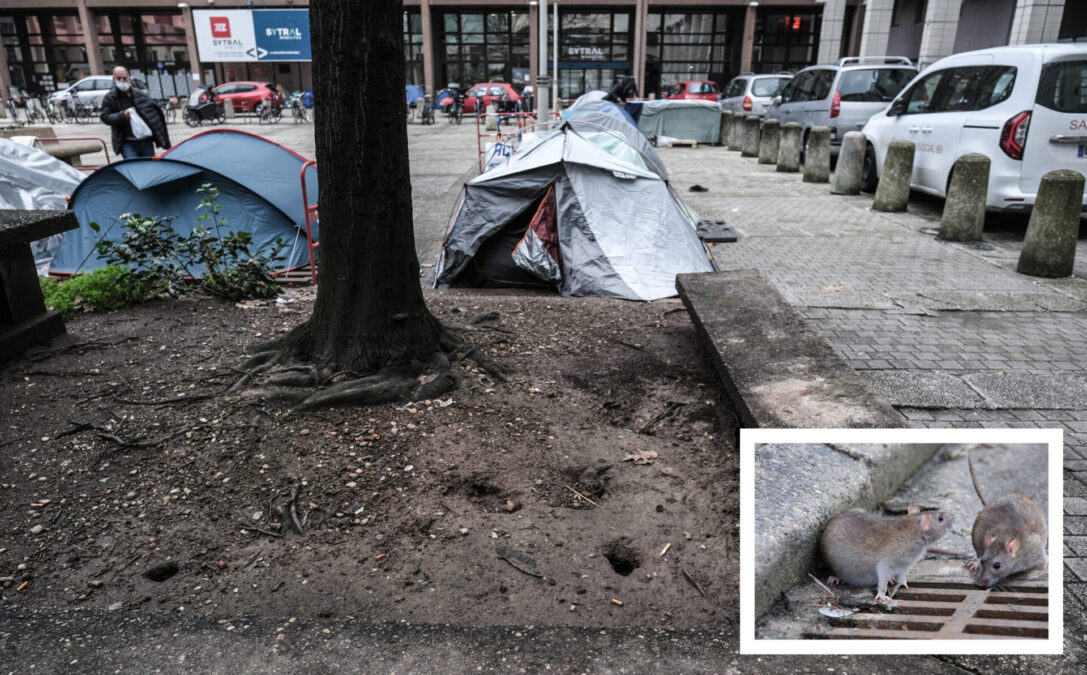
[643, 457]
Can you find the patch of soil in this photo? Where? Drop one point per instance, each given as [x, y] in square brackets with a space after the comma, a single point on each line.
[130, 479]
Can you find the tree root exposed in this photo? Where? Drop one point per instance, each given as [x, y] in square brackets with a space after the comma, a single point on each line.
[271, 374]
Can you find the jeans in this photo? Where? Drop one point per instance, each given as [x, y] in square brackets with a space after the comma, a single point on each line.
[144, 148]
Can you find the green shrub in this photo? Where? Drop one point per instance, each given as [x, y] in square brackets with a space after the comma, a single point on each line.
[102, 290]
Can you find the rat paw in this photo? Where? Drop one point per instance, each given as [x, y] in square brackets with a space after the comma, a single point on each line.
[881, 598]
[833, 581]
[974, 565]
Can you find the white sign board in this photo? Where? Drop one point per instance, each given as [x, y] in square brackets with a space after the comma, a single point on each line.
[225, 35]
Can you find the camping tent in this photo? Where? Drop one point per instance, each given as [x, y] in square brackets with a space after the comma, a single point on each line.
[568, 214]
[690, 120]
[595, 114]
[260, 192]
[412, 92]
[32, 179]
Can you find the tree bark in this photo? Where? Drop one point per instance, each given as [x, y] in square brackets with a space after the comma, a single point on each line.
[369, 312]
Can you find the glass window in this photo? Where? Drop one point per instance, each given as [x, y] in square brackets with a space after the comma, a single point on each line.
[736, 88]
[768, 86]
[821, 87]
[873, 85]
[920, 96]
[1063, 87]
[799, 88]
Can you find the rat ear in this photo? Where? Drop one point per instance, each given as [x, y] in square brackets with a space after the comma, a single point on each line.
[926, 522]
[913, 508]
[1012, 547]
[989, 539]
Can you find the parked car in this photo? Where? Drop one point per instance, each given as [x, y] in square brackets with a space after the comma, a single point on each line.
[694, 90]
[480, 96]
[90, 90]
[246, 96]
[751, 94]
[1024, 107]
[842, 96]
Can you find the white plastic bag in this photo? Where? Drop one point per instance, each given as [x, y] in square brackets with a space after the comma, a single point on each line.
[140, 130]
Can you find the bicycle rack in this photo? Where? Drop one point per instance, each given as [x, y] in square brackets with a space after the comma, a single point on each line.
[52, 139]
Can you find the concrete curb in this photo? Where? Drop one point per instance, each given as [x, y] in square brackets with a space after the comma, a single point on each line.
[778, 372]
[799, 488]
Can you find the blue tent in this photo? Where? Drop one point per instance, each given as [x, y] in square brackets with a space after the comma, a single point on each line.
[413, 93]
[260, 192]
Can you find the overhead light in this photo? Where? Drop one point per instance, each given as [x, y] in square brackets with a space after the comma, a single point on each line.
[182, 5]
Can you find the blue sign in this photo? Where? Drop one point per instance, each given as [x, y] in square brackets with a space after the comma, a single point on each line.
[282, 34]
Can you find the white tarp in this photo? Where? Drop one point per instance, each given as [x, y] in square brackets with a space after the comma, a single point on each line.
[32, 179]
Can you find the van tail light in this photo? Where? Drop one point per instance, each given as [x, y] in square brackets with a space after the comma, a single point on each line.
[747, 103]
[1013, 138]
[836, 105]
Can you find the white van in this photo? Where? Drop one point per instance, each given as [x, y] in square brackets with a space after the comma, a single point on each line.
[1024, 107]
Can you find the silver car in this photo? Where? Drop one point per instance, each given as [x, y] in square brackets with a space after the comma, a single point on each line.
[751, 94]
[842, 96]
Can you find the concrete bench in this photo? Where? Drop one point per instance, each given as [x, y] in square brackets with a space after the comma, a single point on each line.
[24, 320]
[70, 151]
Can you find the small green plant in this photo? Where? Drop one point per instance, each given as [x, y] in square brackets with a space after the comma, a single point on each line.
[160, 260]
[102, 290]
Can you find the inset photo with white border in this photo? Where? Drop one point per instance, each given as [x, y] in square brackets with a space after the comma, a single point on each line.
[901, 541]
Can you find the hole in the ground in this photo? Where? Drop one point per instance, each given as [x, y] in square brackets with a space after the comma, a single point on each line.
[161, 572]
[622, 558]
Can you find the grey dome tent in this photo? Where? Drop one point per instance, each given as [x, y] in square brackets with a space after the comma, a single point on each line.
[567, 214]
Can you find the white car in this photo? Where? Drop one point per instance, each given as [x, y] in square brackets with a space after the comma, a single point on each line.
[90, 90]
[1024, 107]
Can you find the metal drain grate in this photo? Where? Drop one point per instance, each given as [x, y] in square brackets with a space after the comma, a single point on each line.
[939, 611]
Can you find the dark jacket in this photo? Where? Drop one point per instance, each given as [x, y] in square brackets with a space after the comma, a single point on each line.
[114, 104]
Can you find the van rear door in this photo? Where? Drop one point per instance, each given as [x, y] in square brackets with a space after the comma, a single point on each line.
[1057, 137]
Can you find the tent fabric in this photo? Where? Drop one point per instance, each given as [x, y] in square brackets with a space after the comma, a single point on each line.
[690, 120]
[168, 188]
[32, 179]
[267, 168]
[589, 113]
[413, 93]
[621, 232]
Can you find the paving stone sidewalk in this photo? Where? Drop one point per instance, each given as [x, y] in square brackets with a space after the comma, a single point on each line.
[949, 333]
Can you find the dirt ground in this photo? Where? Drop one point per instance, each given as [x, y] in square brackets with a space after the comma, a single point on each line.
[131, 480]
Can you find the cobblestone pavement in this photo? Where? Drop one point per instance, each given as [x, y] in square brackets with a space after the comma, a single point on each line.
[949, 333]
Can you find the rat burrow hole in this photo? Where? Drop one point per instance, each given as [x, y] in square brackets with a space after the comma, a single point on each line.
[622, 558]
[160, 573]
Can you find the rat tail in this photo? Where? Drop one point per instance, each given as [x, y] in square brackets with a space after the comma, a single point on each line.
[973, 476]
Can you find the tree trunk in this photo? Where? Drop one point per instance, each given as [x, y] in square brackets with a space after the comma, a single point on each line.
[369, 313]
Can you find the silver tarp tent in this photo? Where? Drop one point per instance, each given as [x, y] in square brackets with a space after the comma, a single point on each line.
[689, 120]
[568, 214]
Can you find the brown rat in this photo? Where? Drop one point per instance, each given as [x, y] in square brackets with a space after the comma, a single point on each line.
[866, 549]
[1009, 536]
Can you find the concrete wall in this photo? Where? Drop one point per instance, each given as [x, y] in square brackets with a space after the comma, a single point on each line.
[990, 23]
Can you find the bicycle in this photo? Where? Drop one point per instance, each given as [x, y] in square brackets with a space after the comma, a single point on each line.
[169, 109]
[53, 112]
[298, 111]
[268, 113]
[13, 111]
[427, 116]
[34, 111]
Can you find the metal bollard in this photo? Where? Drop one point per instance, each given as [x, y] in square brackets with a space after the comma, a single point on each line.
[789, 148]
[751, 137]
[893, 191]
[964, 210]
[726, 127]
[1049, 249]
[817, 156]
[847, 175]
[770, 142]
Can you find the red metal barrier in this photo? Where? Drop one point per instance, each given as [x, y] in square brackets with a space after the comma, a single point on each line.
[311, 216]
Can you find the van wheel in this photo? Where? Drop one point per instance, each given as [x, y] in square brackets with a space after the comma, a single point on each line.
[869, 179]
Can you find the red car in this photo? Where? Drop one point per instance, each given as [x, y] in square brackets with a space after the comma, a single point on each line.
[695, 90]
[247, 95]
[487, 92]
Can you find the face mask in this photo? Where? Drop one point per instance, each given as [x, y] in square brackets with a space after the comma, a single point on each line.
[123, 86]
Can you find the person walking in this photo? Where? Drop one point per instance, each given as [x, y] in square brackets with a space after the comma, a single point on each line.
[119, 106]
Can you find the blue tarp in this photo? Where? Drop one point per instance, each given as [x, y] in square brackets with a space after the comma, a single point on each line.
[413, 93]
[259, 184]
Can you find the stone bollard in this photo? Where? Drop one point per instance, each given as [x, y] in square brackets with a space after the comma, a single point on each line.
[817, 156]
[964, 210]
[1049, 249]
[847, 175]
[789, 150]
[893, 191]
[726, 127]
[750, 146]
[491, 123]
[736, 132]
[228, 109]
[770, 142]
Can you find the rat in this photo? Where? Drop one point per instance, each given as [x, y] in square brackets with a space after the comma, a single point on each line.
[866, 549]
[1009, 536]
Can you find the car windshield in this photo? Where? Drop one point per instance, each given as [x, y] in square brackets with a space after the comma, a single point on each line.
[873, 85]
[768, 86]
[703, 88]
[1063, 87]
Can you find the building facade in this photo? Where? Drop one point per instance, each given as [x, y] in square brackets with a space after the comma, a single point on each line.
[48, 44]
